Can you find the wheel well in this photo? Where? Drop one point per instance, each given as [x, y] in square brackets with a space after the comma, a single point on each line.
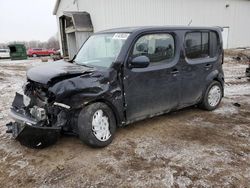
[209, 82]
[218, 80]
[111, 106]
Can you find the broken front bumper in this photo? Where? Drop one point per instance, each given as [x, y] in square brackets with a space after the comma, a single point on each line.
[28, 130]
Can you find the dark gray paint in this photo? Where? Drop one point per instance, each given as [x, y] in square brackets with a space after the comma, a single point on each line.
[137, 93]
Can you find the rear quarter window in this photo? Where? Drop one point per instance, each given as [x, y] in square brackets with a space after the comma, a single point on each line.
[214, 44]
[201, 44]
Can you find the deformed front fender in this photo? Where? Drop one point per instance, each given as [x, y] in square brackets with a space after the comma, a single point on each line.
[80, 91]
[82, 84]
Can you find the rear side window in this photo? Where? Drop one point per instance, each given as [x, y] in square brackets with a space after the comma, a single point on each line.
[201, 45]
[214, 44]
[157, 47]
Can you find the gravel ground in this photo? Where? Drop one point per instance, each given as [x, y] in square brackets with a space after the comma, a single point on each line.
[187, 148]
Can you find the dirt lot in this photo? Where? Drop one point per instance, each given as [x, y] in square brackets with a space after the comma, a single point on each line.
[188, 148]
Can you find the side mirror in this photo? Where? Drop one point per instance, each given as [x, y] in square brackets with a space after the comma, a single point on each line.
[139, 62]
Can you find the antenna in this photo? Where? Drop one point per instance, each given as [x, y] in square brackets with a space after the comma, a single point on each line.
[190, 22]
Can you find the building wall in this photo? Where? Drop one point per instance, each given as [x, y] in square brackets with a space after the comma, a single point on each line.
[65, 5]
[107, 14]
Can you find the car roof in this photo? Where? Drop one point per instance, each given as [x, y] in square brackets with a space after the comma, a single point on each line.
[149, 28]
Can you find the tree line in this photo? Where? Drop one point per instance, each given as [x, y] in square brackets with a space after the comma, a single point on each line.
[52, 43]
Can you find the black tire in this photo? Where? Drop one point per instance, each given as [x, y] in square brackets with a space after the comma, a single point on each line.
[205, 101]
[86, 134]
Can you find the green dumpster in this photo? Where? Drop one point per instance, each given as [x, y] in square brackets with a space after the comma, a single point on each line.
[17, 52]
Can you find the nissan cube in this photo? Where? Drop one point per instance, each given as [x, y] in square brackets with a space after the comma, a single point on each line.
[119, 76]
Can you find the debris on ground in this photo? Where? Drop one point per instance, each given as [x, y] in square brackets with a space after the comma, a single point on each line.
[236, 104]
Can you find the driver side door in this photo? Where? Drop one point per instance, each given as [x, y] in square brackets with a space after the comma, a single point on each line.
[155, 89]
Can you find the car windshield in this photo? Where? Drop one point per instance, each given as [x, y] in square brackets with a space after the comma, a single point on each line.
[101, 49]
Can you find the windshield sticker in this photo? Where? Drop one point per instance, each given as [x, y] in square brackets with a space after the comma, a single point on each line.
[120, 36]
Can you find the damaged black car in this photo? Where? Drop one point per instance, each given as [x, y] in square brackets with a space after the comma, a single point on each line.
[119, 76]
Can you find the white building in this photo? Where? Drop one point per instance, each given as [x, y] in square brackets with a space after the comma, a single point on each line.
[77, 19]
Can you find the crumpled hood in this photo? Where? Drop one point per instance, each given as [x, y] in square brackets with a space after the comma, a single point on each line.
[86, 87]
[45, 73]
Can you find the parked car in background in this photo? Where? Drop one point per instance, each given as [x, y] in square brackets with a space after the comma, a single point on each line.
[248, 68]
[35, 52]
[248, 71]
[119, 76]
[4, 53]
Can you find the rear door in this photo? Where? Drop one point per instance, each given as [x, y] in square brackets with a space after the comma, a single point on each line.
[156, 88]
[201, 55]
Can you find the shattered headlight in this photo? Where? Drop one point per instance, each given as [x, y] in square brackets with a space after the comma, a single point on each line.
[26, 100]
[38, 113]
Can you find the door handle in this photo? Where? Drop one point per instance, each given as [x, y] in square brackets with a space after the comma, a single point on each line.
[175, 71]
[208, 65]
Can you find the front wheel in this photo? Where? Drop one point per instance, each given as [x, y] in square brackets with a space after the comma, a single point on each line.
[97, 125]
[212, 96]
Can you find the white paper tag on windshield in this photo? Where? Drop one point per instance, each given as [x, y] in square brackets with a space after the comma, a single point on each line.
[120, 36]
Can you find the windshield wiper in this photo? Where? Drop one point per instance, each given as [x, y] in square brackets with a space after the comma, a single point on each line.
[72, 60]
[82, 64]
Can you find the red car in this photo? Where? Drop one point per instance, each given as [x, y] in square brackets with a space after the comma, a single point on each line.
[34, 52]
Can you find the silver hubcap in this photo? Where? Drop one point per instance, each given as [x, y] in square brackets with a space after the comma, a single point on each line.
[214, 96]
[100, 126]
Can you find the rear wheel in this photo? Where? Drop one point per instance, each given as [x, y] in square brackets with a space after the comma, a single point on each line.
[34, 55]
[212, 97]
[97, 125]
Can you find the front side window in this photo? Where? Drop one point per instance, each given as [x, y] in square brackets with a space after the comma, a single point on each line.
[201, 45]
[157, 47]
[101, 49]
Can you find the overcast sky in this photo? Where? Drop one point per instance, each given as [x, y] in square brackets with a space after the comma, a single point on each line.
[26, 20]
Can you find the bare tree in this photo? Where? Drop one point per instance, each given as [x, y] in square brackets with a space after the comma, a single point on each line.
[52, 43]
[3, 45]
